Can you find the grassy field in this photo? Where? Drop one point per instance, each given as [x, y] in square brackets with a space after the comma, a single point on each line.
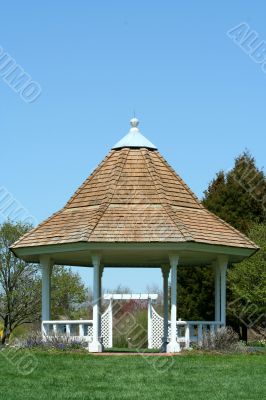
[63, 375]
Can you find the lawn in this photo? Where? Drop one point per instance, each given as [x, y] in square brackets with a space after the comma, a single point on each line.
[66, 375]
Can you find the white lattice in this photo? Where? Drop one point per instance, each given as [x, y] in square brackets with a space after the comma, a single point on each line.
[157, 333]
[89, 330]
[106, 327]
[157, 329]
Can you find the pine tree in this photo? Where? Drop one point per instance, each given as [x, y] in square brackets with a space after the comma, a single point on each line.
[238, 196]
[247, 286]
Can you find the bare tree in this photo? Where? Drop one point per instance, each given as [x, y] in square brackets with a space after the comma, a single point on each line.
[19, 283]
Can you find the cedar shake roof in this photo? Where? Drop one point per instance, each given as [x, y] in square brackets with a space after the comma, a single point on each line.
[134, 196]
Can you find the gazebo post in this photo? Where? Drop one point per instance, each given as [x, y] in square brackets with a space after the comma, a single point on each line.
[149, 324]
[217, 281]
[165, 273]
[222, 262]
[96, 346]
[46, 268]
[100, 299]
[100, 283]
[173, 346]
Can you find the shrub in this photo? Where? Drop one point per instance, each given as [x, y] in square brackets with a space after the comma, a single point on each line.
[35, 340]
[257, 343]
[223, 340]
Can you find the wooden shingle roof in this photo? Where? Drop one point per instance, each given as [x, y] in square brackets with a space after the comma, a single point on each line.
[134, 196]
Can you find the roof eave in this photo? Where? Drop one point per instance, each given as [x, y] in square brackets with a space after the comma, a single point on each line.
[235, 254]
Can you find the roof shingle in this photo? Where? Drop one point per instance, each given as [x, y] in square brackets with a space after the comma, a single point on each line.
[134, 196]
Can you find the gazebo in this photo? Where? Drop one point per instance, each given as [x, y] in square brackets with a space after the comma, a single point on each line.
[135, 211]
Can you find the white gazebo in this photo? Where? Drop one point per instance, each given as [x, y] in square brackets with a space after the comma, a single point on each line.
[135, 211]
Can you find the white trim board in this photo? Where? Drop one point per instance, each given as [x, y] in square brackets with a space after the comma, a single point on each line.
[130, 296]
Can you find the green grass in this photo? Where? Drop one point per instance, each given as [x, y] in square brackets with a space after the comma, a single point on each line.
[65, 375]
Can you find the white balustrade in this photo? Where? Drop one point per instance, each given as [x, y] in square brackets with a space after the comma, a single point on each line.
[199, 329]
[187, 331]
[82, 328]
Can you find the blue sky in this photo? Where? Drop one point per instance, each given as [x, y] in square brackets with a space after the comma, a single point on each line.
[199, 97]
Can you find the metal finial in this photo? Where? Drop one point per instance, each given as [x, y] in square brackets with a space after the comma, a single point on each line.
[134, 138]
[134, 122]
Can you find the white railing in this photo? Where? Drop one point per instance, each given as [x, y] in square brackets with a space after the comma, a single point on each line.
[72, 328]
[81, 328]
[197, 329]
[187, 331]
[194, 331]
[183, 335]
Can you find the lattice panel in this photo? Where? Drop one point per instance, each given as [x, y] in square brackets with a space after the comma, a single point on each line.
[106, 327]
[89, 330]
[157, 329]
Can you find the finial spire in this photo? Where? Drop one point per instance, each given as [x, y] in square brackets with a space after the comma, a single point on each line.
[134, 138]
[134, 122]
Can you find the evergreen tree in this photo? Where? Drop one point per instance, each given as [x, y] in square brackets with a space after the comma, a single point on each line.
[238, 196]
[247, 285]
[195, 293]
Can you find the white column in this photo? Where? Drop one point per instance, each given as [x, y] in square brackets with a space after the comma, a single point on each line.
[100, 300]
[111, 323]
[46, 268]
[96, 346]
[165, 273]
[222, 261]
[149, 325]
[217, 282]
[173, 346]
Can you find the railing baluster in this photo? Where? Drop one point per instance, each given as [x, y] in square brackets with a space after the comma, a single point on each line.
[81, 330]
[195, 336]
[44, 330]
[200, 334]
[67, 329]
[54, 329]
[187, 336]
